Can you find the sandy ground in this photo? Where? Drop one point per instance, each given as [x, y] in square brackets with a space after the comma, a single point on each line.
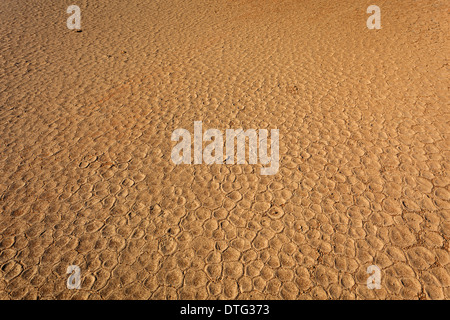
[85, 171]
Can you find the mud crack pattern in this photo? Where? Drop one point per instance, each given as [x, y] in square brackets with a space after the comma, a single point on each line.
[85, 171]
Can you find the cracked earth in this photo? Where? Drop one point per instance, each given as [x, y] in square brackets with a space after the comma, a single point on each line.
[85, 171]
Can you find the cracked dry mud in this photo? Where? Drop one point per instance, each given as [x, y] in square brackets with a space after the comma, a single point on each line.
[85, 171]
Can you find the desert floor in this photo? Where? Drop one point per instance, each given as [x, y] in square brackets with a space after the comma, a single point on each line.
[86, 176]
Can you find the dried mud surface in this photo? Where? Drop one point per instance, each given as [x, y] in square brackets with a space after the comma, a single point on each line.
[86, 176]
